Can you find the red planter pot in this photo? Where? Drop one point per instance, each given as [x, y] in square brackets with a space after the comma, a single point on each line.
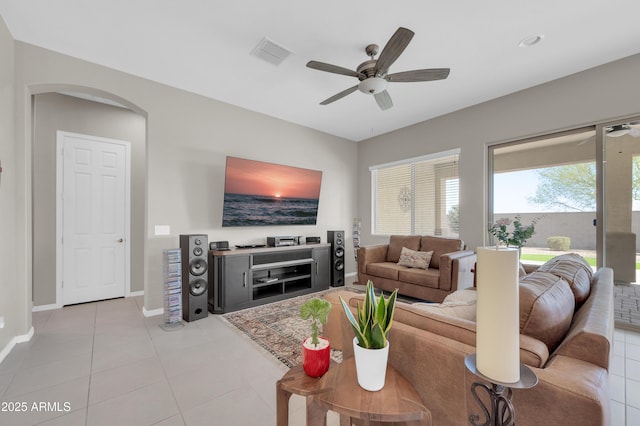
[315, 362]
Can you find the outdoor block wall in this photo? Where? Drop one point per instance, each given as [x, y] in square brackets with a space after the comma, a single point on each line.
[578, 226]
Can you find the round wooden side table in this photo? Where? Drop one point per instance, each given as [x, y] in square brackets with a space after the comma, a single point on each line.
[338, 390]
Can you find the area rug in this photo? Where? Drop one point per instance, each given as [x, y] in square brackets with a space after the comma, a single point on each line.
[277, 327]
[627, 306]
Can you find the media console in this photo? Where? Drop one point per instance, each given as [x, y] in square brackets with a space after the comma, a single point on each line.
[250, 277]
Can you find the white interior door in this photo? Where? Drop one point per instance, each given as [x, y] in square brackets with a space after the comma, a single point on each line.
[94, 218]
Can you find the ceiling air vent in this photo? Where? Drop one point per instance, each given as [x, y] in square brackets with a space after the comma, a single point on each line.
[270, 51]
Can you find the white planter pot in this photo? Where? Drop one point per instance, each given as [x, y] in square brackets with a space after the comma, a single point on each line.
[371, 366]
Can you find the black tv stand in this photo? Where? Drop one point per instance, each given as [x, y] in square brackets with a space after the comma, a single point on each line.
[254, 276]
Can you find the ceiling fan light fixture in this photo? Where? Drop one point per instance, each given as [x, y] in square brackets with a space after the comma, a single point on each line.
[372, 85]
[618, 130]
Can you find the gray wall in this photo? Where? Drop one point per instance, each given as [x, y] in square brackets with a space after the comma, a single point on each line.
[188, 139]
[593, 96]
[53, 112]
[12, 291]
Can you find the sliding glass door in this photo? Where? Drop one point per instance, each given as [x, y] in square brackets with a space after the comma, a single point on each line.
[580, 188]
[549, 182]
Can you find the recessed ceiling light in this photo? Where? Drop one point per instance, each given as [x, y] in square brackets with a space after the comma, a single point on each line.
[531, 40]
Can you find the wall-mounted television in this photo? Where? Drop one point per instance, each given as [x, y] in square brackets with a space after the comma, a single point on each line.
[266, 194]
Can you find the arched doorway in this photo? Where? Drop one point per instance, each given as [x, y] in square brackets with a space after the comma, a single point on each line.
[91, 112]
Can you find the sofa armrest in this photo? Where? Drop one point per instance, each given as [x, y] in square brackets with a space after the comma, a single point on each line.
[370, 254]
[373, 254]
[456, 270]
[590, 337]
[569, 392]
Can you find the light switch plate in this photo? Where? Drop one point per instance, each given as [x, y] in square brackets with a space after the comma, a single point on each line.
[162, 230]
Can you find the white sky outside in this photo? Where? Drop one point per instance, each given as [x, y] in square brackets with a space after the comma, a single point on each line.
[513, 189]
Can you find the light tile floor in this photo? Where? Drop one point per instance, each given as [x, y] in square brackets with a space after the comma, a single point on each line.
[624, 378]
[105, 364]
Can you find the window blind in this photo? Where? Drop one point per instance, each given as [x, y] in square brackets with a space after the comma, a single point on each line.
[417, 197]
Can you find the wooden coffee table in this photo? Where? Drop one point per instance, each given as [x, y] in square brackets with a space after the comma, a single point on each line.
[338, 390]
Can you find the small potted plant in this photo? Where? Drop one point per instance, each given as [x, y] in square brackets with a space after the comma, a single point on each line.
[520, 233]
[316, 350]
[371, 344]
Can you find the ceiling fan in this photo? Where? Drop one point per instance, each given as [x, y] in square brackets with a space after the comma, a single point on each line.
[623, 129]
[616, 131]
[373, 74]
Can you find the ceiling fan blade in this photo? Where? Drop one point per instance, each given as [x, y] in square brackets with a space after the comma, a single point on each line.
[384, 100]
[418, 75]
[393, 49]
[339, 95]
[321, 66]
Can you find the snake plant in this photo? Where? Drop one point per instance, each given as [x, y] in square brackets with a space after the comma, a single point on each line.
[374, 318]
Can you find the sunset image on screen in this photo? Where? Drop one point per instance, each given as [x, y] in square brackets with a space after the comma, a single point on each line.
[258, 178]
[258, 193]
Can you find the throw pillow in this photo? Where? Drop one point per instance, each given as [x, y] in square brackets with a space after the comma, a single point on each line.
[415, 259]
[546, 308]
[397, 242]
[574, 269]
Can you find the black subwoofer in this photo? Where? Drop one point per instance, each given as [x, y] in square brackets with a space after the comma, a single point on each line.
[336, 239]
[194, 276]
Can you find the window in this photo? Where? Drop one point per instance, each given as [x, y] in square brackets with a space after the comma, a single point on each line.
[418, 196]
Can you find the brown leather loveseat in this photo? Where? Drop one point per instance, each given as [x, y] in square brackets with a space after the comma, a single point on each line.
[449, 266]
[566, 337]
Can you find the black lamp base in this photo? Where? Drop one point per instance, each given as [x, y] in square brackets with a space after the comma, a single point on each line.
[501, 412]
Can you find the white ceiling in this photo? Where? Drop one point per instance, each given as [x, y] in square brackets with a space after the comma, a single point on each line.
[204, 46]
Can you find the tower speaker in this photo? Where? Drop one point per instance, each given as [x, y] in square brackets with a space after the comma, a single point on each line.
[336, 239]
[194, 276]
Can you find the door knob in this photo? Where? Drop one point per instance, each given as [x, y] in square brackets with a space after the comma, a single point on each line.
[119, 240]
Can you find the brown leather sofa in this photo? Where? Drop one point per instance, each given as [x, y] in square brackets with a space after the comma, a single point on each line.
[566, 323]
[449, 269]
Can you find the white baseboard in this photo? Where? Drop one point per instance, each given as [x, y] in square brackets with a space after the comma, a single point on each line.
[17, 339]
[152, 312]
[56, 306]
[45, 307]
[351, 274]
[24, 337]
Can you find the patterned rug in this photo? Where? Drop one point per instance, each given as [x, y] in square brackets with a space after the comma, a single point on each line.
[627, 306]
[277, 327]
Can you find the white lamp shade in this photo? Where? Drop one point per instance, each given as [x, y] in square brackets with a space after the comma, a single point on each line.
[498, 314]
